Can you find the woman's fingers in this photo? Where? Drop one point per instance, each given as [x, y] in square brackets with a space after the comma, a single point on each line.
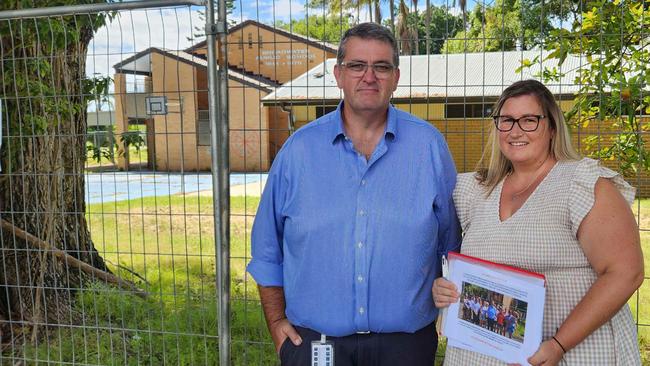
[444, 292]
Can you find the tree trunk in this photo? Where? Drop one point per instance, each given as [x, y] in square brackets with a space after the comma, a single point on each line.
[377, 11]
[42, 180]
[427, 21]
[392, 16]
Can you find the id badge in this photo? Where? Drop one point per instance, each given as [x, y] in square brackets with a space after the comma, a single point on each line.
[322, 352]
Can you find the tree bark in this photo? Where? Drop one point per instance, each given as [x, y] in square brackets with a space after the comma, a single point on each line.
[42, 181]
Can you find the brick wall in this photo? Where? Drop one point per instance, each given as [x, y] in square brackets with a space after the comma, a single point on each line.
[467, 138]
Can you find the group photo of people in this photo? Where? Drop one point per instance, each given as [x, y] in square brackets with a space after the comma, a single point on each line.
[496, 312]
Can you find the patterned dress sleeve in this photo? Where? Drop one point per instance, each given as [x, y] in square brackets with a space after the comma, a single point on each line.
[582, 195]
[467, 188]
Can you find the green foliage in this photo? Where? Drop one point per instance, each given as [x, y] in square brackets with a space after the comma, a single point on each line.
[504, 25]
[323, 28]
[348, 8]
[132, 138]
[199, 30]
[98, 152]
[42, 59]
[443, 25]
[612, 36]
[97, 89]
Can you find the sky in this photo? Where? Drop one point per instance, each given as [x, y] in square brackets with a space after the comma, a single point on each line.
[177, 28]
[134, 31]
[174, 28]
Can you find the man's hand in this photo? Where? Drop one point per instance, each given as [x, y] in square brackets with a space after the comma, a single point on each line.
[548, 354]
[280, 331]
[272, 299]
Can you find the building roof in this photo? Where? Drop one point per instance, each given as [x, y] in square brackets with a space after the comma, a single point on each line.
[446, 77]
[294, 36]
[140, 64]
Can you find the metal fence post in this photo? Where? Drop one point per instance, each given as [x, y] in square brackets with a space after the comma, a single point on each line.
[219, 132]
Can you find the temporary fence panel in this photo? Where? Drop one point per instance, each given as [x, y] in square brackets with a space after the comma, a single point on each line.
[454, 65]
[109, 253]
[130, 253]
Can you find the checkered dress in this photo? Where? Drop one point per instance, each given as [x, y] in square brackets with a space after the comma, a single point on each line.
[541, 237]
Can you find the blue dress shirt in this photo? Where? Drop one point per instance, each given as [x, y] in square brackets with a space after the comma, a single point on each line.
[356, 243]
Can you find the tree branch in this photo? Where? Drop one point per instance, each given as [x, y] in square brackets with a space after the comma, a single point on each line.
[70, 260]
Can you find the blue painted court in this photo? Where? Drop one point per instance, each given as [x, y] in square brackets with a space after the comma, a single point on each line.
[118, 186]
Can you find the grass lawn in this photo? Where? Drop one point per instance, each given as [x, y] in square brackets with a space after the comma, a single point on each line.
[166, 245]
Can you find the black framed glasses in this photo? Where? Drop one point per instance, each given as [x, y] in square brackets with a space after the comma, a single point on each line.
[357, 69]
[528, 123]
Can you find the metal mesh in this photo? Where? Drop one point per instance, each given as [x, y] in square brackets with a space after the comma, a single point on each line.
[126, 188]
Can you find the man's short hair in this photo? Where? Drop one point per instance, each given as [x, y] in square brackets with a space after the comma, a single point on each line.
[368, 31]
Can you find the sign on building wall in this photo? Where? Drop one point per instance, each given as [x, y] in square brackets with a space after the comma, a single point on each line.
[279, 57]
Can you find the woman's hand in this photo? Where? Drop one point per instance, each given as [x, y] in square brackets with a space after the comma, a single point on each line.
[548, 354]
[444, 293]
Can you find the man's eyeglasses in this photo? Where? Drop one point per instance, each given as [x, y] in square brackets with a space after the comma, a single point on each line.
[526, 123]
[358, 69]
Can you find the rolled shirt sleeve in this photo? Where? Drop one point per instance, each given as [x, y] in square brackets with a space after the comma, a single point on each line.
[266, 265]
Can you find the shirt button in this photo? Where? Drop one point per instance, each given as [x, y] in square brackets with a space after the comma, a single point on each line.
[362, 213]
[363, 182]
[362, 310]
[360, 244]
[360, 278]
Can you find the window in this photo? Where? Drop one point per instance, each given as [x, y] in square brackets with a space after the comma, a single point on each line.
[468, 110]
[203, 128]
[250, 40]
[323, 110]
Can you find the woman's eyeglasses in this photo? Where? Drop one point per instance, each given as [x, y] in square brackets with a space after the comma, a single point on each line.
[526, 123]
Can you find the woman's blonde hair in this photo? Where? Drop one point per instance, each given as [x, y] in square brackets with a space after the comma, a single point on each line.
[494, 166]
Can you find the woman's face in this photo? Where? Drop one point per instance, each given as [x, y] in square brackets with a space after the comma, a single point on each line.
[521, 147]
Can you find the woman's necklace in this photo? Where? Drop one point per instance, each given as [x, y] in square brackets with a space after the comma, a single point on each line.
[541, 169]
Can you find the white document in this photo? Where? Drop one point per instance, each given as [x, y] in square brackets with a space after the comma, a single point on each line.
[500, 312]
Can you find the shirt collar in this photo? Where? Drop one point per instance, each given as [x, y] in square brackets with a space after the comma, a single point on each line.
[337, 127]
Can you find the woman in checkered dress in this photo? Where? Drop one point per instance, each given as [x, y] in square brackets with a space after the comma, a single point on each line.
[539, 207]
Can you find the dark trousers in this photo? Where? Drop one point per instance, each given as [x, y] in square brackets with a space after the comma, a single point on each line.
[373, 349]
[491, 324]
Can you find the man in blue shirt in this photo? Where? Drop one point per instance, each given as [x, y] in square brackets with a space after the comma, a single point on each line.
[356, 212]
[491, 316]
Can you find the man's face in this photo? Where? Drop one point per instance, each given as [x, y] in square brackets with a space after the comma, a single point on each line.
[370, 90]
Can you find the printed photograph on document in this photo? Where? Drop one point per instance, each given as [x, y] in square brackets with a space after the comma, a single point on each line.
[500, 310]
[493, 311]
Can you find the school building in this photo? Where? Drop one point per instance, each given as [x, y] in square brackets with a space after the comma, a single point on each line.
[456, 93]
[260, 60]
[279, 81]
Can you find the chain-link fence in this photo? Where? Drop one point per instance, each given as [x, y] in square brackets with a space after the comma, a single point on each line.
[108, 205]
